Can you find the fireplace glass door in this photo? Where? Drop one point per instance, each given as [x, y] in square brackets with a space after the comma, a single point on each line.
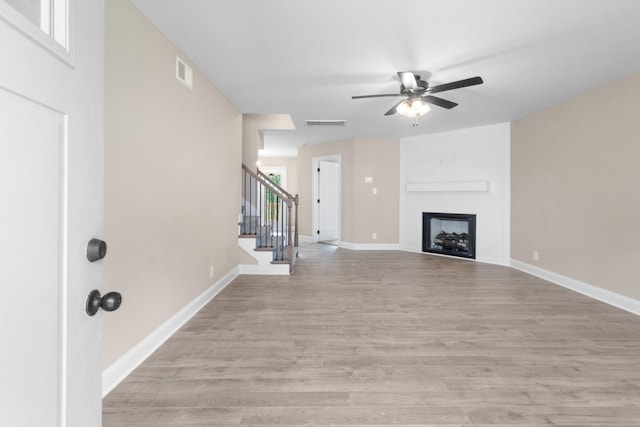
[449, 234]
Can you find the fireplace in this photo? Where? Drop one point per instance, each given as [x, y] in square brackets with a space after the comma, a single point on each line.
[449, 234]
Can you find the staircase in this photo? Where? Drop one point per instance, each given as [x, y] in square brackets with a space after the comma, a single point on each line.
[268, 226]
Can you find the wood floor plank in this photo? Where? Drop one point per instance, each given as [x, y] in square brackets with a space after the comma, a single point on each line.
[370, 338]
[378, 415]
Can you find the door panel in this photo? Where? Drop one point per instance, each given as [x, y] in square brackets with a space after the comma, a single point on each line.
[51, 168]
[329, 206]
[31, 152]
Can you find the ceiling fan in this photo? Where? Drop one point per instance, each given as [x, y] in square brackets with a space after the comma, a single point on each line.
[417, 93]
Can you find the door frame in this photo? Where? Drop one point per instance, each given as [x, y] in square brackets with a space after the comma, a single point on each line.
[315, 162]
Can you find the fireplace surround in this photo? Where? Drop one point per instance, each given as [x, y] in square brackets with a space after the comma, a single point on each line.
[449, 234]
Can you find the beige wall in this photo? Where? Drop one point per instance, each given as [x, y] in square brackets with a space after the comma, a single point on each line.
[362, 213]
[172, 163]
[575, 188]
[379, 159]
[305, 163]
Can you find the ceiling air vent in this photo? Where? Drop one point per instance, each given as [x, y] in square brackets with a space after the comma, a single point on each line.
[184, 73]
[326, 122]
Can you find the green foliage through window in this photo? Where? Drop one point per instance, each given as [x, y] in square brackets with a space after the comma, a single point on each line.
[273, 201]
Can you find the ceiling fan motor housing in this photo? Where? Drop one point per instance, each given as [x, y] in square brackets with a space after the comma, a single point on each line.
[414, 88]
[422, 86]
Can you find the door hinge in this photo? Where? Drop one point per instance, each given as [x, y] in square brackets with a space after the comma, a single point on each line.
[318, 169]
[318, 232]
[318, 200]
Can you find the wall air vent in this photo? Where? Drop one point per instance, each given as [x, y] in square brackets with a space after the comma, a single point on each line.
[326, 122]
[184, 73]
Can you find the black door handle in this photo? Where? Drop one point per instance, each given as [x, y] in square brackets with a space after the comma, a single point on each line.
[109, 302]
[96, 250]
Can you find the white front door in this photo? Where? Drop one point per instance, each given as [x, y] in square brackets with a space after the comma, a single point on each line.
[328, 201]
[51, 168]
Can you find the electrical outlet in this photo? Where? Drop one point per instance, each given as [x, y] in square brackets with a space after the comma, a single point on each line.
[536, 256]
[374, 191]
[211, 271]
[368, 179]
[374, 236]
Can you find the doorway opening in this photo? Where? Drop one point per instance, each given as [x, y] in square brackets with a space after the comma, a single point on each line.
[327, 199]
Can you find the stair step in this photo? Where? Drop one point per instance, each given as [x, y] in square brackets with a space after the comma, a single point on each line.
[263, 258]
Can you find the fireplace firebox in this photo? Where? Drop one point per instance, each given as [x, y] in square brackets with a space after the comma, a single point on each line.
[449, 234]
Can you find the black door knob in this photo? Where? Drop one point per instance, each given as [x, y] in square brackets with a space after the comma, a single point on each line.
[96, 250]
[109, 302]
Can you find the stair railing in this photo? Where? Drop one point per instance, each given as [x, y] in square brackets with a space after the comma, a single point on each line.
[264, 215]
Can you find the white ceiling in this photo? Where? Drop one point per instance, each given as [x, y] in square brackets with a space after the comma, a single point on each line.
[307, 58]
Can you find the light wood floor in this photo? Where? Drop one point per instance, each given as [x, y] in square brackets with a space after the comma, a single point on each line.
[390, 338]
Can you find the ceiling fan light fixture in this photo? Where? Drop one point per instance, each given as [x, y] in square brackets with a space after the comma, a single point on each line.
[413, 107]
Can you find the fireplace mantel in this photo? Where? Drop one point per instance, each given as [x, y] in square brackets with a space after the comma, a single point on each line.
[452, 186]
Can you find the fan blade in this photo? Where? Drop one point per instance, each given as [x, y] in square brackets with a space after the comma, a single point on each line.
[392, 111]
[376, 96]
[456, 85]
[439, 102]
[408, 80]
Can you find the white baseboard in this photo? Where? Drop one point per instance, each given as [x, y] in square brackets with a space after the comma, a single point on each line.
[265, 269]
[623, 302]
[370, 246]
[121, 368]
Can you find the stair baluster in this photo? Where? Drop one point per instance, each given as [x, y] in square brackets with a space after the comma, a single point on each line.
[270, 215]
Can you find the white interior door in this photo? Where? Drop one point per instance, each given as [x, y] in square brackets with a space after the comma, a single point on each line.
[329, 201]
[51, 168]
